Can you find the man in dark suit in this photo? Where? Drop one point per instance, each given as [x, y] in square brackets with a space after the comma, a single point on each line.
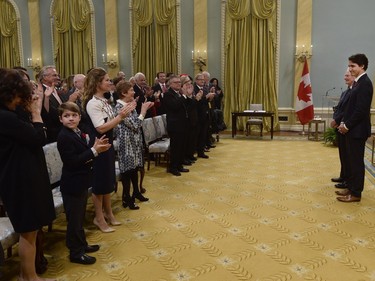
[203, 111]
[177, 119]
[159, 89]
[337, 117]
[356, 126]
[49, 78]
[77, 158]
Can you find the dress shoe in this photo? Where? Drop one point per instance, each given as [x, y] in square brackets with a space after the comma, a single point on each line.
[206, 150]
[187, 163]
[202, 155]
[211, 146]
[140, 197]
[84, 259]
[143, 190]
[341, 185]
[92, 248]
[183, 170]
[349, 198]
[131, 205]
[103, 228]
[337, 179]
[175, 172]
[343, 192]
[192, 158]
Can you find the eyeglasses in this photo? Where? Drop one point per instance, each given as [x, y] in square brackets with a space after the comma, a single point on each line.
[176, 82]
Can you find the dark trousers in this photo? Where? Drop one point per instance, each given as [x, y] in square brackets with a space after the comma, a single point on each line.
[202, 134]
[191, 141]
[356, 151]
[128, 177]
[341, 143]
[75, 209]
[177, 146]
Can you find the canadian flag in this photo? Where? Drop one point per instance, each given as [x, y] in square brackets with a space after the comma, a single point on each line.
[304, 102]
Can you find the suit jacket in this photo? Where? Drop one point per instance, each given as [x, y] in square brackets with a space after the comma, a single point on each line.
[140, 94]
[202, 103]
[158, 104]
[51, 119]
[175, 106]
[77, 159]
[339, 109]
[357, 111]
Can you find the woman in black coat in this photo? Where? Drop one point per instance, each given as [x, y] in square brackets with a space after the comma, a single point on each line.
[24, 182]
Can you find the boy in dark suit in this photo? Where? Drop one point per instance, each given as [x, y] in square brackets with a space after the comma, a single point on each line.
[77, 159]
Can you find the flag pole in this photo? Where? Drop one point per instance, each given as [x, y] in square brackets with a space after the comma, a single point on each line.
[303, 133]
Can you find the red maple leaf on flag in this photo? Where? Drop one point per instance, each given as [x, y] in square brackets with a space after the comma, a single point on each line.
[304, 89]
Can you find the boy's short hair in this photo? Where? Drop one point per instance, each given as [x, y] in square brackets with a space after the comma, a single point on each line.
[71, 106]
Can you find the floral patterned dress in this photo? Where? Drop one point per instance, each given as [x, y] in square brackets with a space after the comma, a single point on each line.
[129, 138]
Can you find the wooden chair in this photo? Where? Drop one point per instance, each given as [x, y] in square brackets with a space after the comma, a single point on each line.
[255, 120]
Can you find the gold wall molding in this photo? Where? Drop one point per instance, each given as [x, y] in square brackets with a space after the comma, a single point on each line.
[131, 36]
[111, 30]
[35, 31]
[303, 37]
[200, 29]
[178, 10]
[223, 57]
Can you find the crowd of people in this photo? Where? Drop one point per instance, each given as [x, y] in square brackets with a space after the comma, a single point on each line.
[84, 114]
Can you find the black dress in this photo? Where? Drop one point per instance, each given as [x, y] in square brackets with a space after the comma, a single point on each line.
[104, 173]
[24, 182]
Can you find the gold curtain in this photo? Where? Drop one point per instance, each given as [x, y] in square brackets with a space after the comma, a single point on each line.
[73, 46]
[9, 45]
[250, 48]
[154, 37]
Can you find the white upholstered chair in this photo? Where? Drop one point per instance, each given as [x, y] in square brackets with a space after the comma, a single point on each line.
[255, 121]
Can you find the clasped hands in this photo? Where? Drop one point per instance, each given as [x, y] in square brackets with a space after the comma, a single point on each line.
[102, 144]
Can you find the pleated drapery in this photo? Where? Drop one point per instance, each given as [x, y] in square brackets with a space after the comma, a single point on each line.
[250, 49]
[154, 36]
[73, 46]
[9, 45]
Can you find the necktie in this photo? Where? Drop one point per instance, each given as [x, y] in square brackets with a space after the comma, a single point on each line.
[56, 95]
[163, 88]
[355, 83]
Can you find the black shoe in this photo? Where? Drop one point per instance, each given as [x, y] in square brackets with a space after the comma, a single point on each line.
[131, 205]
[84, 259]
[175, 172]
[211, 146]
[202, 155]
[192, 158]
[92, 248]
[339, 179]
[183, 170]
[206, 150]
[140, 197]
[187, 163]
[341, 185]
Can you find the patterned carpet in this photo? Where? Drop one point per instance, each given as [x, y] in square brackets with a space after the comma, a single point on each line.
[256, 210]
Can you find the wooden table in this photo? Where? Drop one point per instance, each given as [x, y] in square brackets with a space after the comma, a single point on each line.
[313, 132]
[250, 114]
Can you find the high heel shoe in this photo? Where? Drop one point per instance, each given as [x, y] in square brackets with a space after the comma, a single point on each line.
[113, 222]
[102, 229]
[140, 197]
[131, 205]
